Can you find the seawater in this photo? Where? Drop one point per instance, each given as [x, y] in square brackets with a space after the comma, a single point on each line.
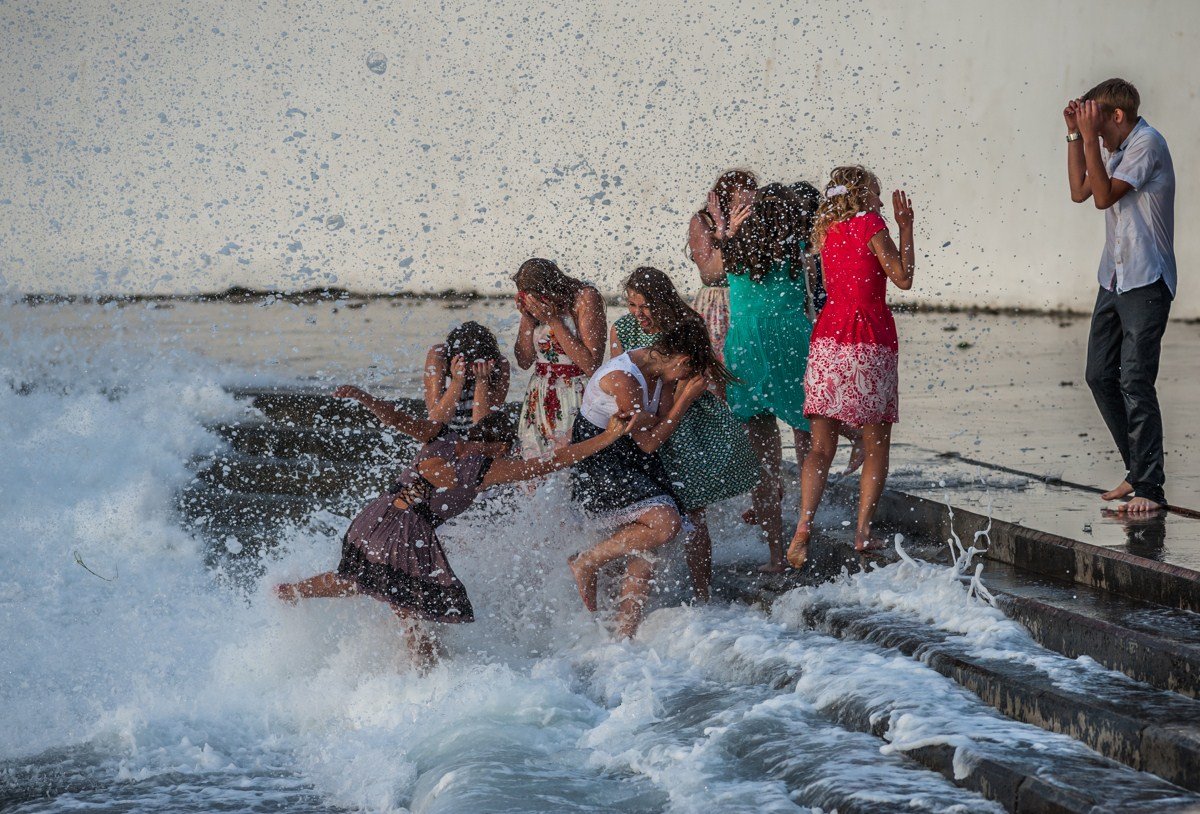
[136, 678]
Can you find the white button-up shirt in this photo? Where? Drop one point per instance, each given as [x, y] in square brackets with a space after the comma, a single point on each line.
[1139, 234]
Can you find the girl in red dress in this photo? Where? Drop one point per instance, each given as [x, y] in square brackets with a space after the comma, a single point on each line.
[852, 360]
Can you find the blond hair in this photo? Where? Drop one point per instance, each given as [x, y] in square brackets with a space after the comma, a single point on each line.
[847, 194]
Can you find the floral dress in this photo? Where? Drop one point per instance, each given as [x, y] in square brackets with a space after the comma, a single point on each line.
[708, 457]
[552, 399]
[854, 356]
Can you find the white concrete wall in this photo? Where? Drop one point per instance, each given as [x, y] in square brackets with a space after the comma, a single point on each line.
[175, 147]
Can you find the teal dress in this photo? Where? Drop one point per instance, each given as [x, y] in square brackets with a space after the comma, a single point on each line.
[708, 458]
[767, 345]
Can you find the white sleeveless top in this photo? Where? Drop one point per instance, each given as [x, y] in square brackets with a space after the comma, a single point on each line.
[598, 407]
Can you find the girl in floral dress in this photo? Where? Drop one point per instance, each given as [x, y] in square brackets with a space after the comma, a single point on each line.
[852, 375]
[708, 457]
[562, 338]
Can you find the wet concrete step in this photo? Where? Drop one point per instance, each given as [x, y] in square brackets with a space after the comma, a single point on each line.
[1138, 725]
[271, 439]
[1111, 570]
[1156, 645]
[307, 476]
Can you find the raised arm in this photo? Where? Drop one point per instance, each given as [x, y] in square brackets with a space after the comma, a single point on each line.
[705, 252]
[587, 349]
[898, 264]
[421, 429]
[1105, 191]
[440, 399]
[524, 349]
[511, 470]
[1076, 163]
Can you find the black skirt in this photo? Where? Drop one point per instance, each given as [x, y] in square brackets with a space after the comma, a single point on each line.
[617, 476]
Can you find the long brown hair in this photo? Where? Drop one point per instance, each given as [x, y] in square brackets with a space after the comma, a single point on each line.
[840, 205]
[661, 296]
[775, 232]
[690, 337]
[546, 280]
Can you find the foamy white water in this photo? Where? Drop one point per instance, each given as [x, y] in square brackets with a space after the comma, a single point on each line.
[149, 682]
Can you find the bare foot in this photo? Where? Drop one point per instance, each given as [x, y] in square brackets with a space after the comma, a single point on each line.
[858, 454]
[797, 553]
[585, 581]
[1140, 505]
[863, 541]
[1121, 492]
[287, 592]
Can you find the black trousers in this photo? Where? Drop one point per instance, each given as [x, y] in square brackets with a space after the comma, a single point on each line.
[1122, 366]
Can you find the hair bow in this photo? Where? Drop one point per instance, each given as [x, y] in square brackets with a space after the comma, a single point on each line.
[833, 192]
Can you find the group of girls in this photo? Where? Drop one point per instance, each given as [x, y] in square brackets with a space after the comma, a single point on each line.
[684, 412]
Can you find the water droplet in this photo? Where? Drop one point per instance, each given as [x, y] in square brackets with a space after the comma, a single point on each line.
[377, 63]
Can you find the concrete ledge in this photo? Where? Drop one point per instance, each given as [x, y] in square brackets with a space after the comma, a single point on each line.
[1156, 733]
[1049, 554]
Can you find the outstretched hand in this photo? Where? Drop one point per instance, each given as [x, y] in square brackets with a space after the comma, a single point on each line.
[349, 391]
[902, 209]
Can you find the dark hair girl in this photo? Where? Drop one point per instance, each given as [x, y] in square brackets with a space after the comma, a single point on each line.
[466, 377]
[767, 346]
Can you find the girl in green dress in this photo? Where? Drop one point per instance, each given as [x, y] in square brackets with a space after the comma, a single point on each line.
[766, 349]
[708, 457]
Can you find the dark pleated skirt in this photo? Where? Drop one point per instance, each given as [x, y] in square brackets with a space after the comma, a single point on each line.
[616, 477]
[395, 556]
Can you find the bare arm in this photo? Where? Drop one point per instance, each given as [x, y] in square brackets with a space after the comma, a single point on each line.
[440, 400]
[511, 470]
[615, 346]
[705, 252]
[524, 349]
[1105, 191]
[587, 349]
[898, 264]
[421, 429]
[1076, 165]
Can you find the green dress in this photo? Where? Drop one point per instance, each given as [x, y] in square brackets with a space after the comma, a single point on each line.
[767, 345]
[708, 457]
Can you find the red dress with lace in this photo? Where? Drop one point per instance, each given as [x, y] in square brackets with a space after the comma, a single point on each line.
[852, 359]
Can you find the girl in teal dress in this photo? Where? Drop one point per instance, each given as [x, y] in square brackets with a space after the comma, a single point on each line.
[708, 457]
[766, 349]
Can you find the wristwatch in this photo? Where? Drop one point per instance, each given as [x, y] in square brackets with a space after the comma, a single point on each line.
[1076, 136]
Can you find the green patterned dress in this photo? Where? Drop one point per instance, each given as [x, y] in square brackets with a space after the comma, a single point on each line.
[708, 457]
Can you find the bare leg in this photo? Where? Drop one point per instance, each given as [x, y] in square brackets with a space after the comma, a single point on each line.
[328, 584]
[812, 485]
[857, 453]
[698, 551]
[767, 494]
[1124, 490]
[423, 646]
[635, 589]
[653, 528]
[877, 443]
